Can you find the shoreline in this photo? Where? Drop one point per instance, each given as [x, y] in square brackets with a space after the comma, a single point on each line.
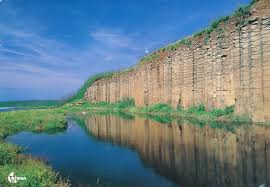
[36, 171]
[45, 120]
[196, 112]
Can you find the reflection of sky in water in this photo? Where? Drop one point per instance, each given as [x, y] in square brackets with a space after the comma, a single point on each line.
[85, 159]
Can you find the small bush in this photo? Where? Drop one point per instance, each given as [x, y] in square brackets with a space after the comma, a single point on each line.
[229, 110]
[217, 112]
[150, 57]
[186, 41]
[241, 119]
[243, 11]
[125, 103]
[196, 109]
[176, 45]
[159, 108]
[8, 153]
[223, 112]
[217, 23]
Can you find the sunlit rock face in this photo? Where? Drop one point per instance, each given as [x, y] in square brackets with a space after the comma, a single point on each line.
[192, 154]
[231, 68]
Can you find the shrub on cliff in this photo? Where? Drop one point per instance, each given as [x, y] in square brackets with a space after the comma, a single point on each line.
[125, 103]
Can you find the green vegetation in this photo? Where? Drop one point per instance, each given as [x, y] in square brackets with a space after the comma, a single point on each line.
[127, 105]
[31, 103]
[239, 14]
[36, 171]
[222, 112]
[160, 119]
[242, 13]
[80, 93]
[196, 109]
[150, 57]
[163, 113]
[244, 10]
[48, 120]
[11, 159]
[159, 108]
[31, 120]
[216, 26]
[184, 42]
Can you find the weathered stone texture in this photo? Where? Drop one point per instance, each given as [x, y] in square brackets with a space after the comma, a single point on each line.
[231, 68]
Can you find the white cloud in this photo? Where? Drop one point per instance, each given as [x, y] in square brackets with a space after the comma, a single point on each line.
[112, 39]
[31, 59]
[10, 51]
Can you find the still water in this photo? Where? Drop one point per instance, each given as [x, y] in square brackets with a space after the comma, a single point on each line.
[108, 150]
[8, 109]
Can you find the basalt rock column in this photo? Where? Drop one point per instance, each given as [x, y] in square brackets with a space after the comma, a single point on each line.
[231, 66]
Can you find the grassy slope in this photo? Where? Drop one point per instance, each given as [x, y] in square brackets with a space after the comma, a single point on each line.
[80, 93]
[36, 171]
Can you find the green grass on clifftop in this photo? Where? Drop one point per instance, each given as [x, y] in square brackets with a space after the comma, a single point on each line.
[240, 14]
[80, 93]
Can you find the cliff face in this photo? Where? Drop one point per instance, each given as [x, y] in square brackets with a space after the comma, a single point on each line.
[231, 68]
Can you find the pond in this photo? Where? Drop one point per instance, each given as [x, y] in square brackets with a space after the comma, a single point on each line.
[120, 151]
[8, 109]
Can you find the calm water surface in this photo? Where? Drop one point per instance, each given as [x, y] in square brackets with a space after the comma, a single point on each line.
[120, 152]
[7, 109]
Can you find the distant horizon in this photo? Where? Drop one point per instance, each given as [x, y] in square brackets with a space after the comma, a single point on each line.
[31, 100]
[48, 49]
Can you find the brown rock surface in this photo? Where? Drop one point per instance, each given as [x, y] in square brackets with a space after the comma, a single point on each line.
[232, 68]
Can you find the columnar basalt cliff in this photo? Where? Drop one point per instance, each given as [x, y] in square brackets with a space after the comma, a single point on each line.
[229, 66]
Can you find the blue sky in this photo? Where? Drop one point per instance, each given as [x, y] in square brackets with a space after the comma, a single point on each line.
[49, 47]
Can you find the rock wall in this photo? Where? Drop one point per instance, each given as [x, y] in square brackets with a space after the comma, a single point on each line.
[231, 68]
[192, 155]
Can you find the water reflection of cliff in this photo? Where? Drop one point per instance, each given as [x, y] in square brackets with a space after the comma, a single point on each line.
[191, 155]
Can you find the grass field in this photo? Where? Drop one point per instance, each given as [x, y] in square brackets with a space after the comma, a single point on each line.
[127, 105]
[53, 119]
[31, 103]
[36, 171]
